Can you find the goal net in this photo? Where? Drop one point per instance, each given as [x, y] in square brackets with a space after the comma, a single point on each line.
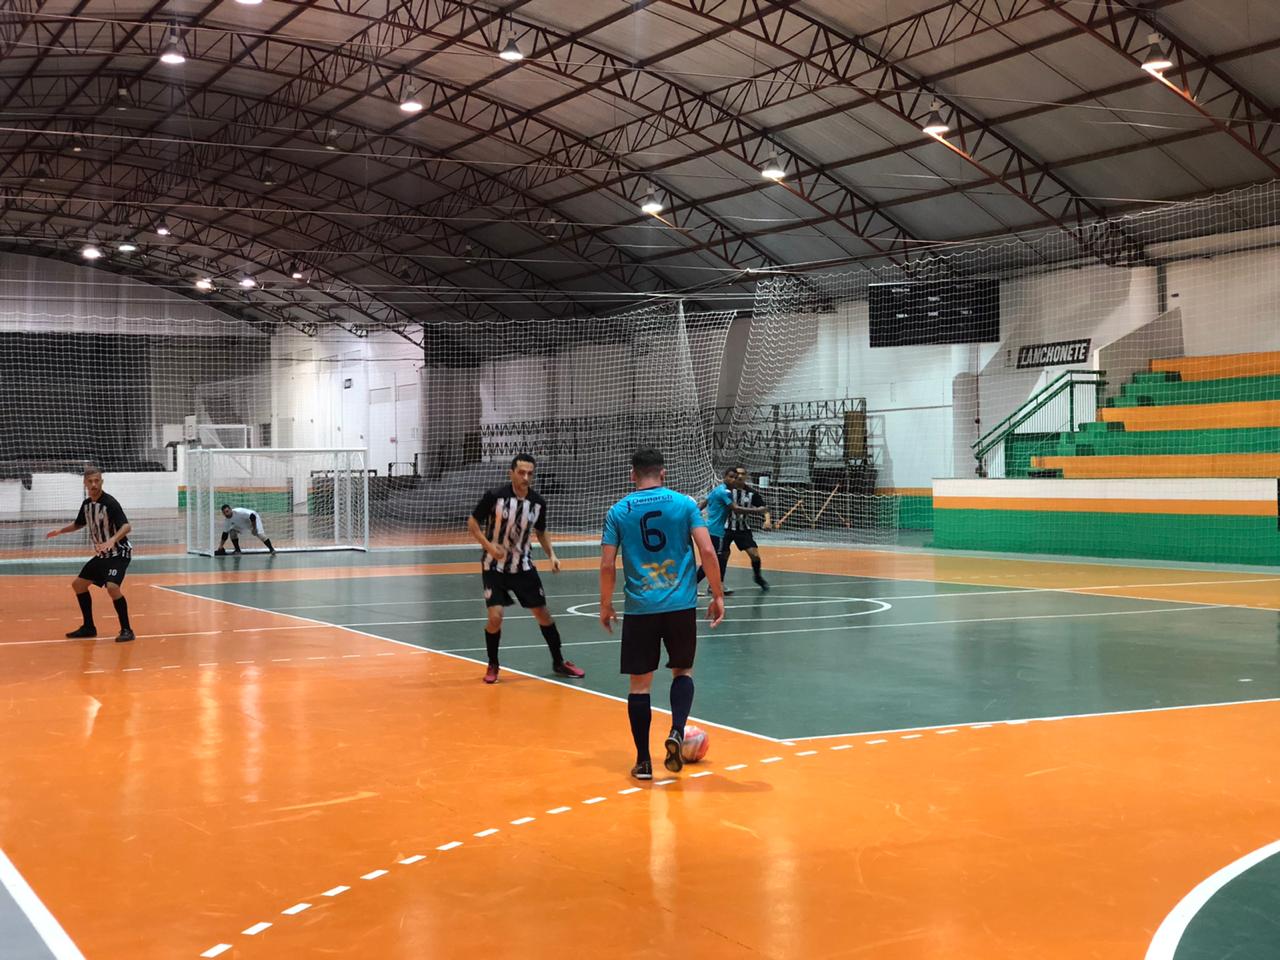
[302, 499]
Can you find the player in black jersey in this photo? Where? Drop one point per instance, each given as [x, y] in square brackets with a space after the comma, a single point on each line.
[747, 503]
[109, 533]
[510, 515]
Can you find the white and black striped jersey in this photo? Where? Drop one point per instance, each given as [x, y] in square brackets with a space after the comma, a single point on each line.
[743, 498]
[104, 517]
[509, 521]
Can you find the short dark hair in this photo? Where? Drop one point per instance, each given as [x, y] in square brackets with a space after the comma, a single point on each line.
[729, 470]
[91, 471]
[225, 506]
[526, 457]
[647, 460]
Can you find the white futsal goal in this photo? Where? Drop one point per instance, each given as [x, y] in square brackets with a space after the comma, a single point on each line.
[312, 499]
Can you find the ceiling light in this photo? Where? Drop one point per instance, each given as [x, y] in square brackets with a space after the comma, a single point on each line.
[468, 254]
[512, 52]
[91, 251]
[122, 97]
[295, 271]
[249, 3]
[204, 284]
[651, 204]
[1156, 58]
[411, 104]
[125, 246]
[248, 282]
[773, 168]
[77, 145]
[162, 229]
[934, 125]
[173, 54]
[268, 176]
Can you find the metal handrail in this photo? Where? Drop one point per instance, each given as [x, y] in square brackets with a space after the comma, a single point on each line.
[1033, 405]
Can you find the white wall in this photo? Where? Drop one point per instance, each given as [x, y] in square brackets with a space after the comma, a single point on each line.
[381, 409]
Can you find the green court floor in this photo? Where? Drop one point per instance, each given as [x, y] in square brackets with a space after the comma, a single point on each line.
[830, 655]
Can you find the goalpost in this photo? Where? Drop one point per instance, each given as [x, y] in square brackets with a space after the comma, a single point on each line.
[307, 499]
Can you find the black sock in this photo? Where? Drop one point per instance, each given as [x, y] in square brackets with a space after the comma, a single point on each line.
[755, 567]
[639, 714]
[122, 611]
[702, 575]
[681, 701]
[86, 608]
[551, 634]
[267, 544]
[724, 564]
[491, 645]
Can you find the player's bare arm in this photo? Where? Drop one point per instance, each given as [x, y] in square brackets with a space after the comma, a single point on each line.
[119, 535]
[71, 527]
[710, 563]
[495, 550]
[609, 580]
[545, 539]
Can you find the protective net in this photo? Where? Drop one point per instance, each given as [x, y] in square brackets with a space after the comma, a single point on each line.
[1141, 351]
[1083, 375]
[578, 395]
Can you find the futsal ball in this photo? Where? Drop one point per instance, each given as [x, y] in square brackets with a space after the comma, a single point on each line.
[696, 744]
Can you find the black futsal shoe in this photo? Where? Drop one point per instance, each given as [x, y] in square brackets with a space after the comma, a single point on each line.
[675, 759]
[643, 770]
[124, 636]
[82, 633]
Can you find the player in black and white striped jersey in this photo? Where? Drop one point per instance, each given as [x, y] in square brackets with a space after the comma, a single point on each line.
[108, 530]
[511, 516]
[747, 503]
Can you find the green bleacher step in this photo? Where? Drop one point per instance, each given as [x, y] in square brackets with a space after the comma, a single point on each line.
[1160, 376]
[1162, 442]
[1230, 390]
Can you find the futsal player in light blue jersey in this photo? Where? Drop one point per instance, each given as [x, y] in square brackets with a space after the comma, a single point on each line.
[656, 530]
[719, 507]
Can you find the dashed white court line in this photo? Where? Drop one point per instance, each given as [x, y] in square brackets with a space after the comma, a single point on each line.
[490, 831]
[217, 950]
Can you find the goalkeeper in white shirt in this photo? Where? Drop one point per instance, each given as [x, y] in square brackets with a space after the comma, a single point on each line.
[240, 520]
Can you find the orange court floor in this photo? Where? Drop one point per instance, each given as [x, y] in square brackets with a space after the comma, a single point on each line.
[249, 783]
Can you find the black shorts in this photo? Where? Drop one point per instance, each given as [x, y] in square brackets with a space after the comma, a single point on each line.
[103, 570]
[644, 634]
[525, 585]
[742, 539]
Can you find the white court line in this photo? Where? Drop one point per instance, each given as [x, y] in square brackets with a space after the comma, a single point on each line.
[775, 588]
[334, 891]
[1168, 935]
[217, 950]
[42, 921]
[256, 929]
[373, 875]
[1018, 721]
[451, 655]
[410, 861]
[716, 634]
[296, 909]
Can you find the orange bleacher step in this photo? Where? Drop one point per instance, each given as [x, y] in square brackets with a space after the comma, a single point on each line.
[1164, 465]
[1200, 416]
[1221, 367]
